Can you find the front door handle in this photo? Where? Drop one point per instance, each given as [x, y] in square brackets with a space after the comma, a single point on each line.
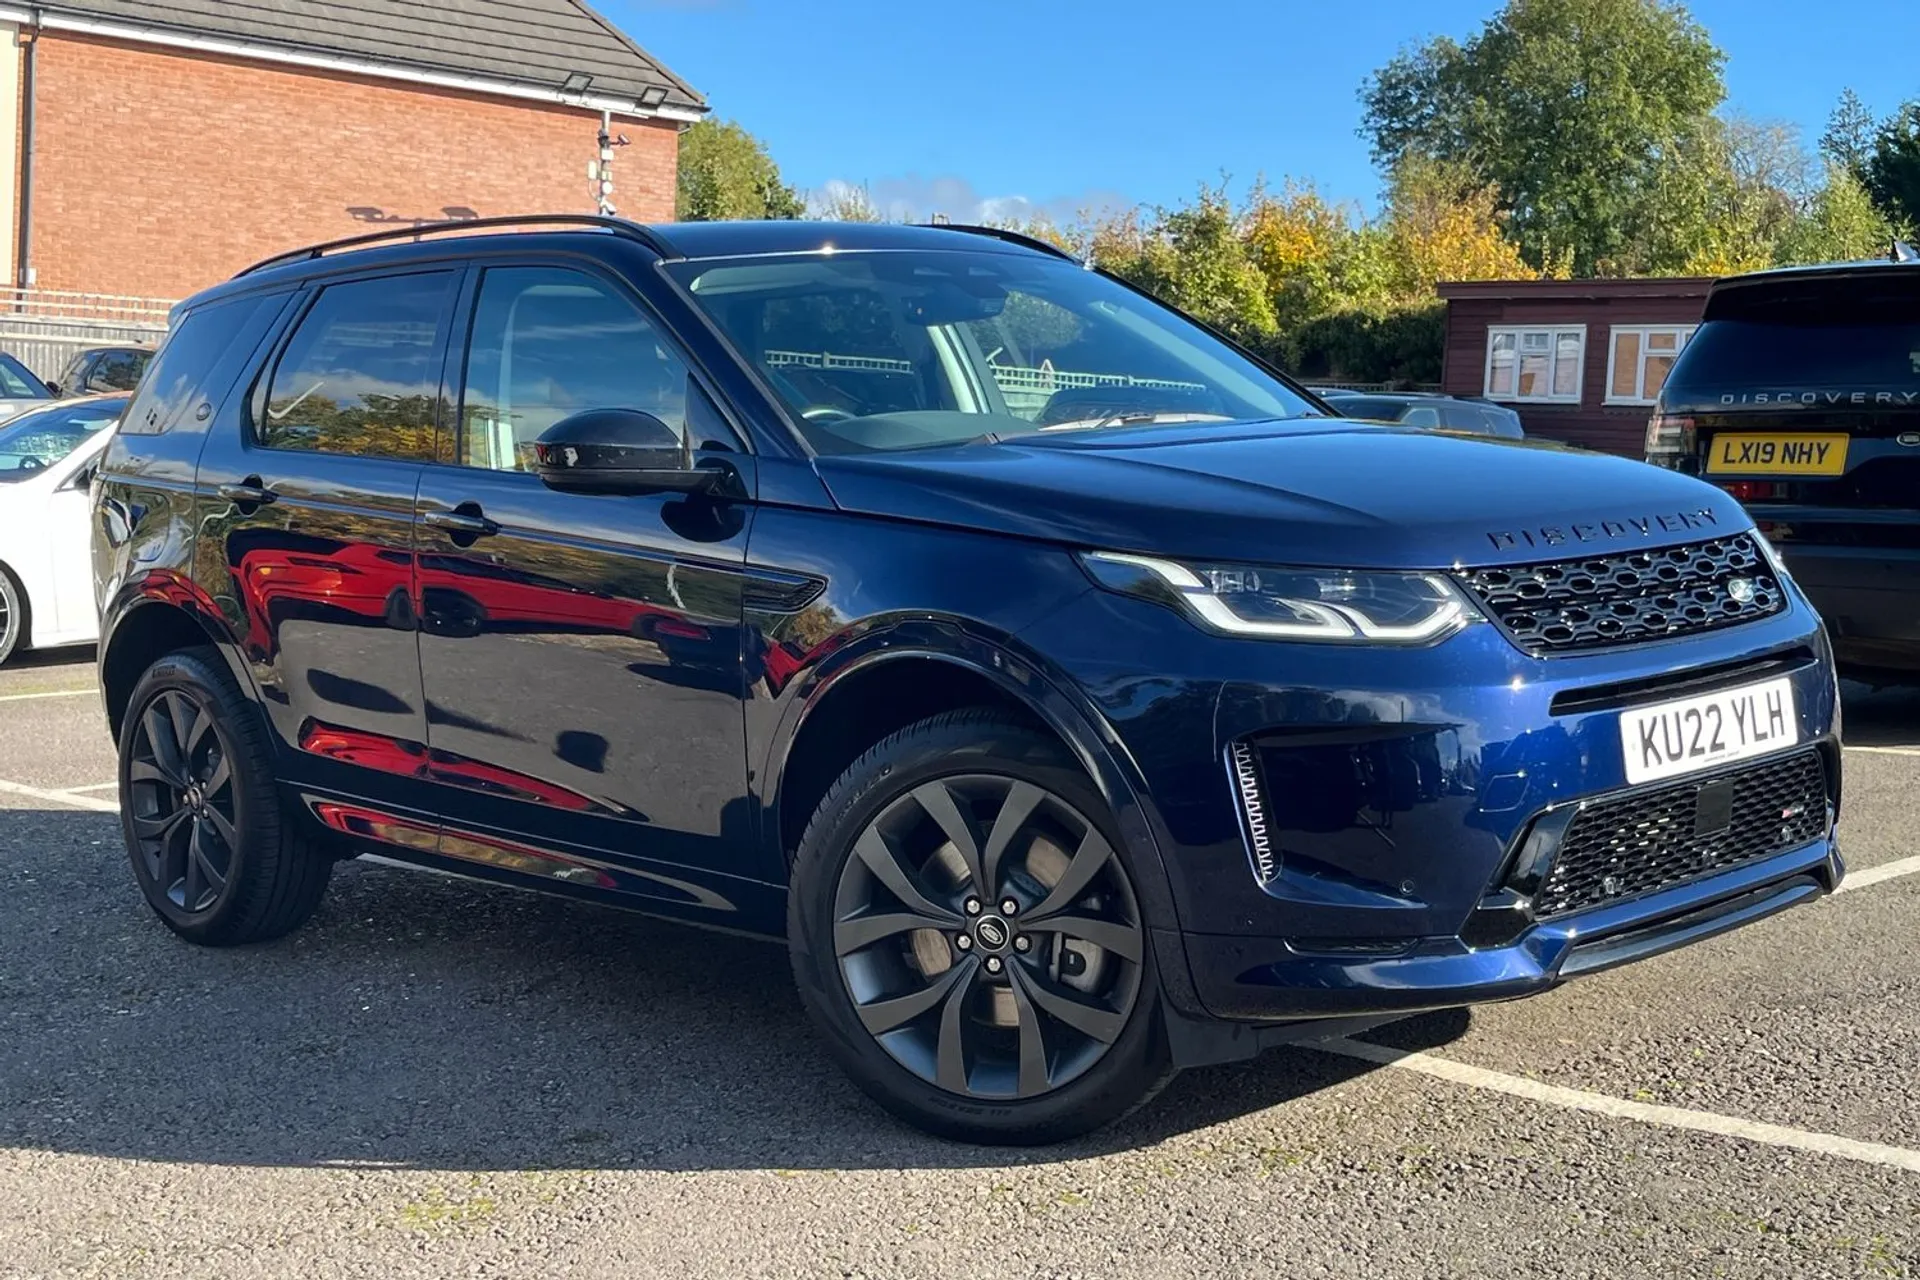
[248, 493]
[464, 521]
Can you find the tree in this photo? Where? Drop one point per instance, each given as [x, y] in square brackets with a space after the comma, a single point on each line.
[1571, 109]
[1841, 224]
[844, 202]
[1848, 141]
[1443, 224]
[1194, 257]
[1893, 167]
[725, 172]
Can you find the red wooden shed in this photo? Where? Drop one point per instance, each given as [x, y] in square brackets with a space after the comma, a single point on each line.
[1579, 360]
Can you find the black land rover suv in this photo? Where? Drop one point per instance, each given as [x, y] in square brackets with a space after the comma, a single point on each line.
[1078, 697]
[1800, 395]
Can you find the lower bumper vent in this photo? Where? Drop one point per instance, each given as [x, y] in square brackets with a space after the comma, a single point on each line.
[1641, 843]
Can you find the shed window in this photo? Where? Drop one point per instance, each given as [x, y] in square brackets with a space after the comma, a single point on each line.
[1542, 365]
[1640, 358]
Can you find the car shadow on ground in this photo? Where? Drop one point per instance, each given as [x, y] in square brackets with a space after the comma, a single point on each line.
[427, 1021]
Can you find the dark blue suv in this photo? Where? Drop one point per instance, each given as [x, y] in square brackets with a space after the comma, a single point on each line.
[1077, 696]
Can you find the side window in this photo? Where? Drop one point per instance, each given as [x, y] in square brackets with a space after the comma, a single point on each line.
[361, 373]
[548, 343]
[179, 372]
[1420, 415]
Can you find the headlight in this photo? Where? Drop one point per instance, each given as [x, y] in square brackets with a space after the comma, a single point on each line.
[1359, 607]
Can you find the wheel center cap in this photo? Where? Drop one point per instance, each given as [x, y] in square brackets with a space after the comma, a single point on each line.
[992, 933]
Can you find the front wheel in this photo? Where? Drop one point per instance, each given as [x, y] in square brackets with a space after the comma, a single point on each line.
[965, 931]
[215, 857]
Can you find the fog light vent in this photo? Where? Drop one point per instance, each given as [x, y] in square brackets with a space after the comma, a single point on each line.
[1253, 812]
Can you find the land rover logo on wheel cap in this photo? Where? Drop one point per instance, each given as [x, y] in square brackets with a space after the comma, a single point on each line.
[992, 932]
[1741, 589]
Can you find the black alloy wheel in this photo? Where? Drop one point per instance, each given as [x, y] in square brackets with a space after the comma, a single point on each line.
[183, 816]
[212, 852]
[995, 966]
[966, 931]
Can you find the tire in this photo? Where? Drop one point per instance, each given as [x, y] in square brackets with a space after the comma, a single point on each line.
[988, 1089]
[13, 615]
[273, 871]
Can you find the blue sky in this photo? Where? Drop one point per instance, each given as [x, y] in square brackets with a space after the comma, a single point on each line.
[991, 106]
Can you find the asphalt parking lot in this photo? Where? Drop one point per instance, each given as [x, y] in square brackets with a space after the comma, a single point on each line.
[440, 1078]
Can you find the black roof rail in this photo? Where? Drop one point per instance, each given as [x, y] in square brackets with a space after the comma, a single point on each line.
[619, 226]
[1011, 237]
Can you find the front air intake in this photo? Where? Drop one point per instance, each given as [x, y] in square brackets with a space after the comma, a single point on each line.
[1245, 765]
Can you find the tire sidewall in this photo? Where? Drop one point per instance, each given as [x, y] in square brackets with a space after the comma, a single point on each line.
[14, 629]
[1133, 1065]
[191, 673]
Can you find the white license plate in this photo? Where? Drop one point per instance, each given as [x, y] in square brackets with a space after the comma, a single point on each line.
[1669, 739]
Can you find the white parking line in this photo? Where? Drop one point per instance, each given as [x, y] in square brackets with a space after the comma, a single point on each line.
[1886, 751]
[59, 797]
[92, 786]
[55, 693]
[1875, 875]
[1772, 1135]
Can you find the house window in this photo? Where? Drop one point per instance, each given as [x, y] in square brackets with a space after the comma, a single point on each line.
[1542, 364]
[1640, 359]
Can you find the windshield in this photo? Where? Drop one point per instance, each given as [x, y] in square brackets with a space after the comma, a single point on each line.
[16, 383]
[902, 350]
[32, 442]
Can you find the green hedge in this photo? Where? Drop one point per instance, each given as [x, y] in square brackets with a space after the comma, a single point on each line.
[1401, 345]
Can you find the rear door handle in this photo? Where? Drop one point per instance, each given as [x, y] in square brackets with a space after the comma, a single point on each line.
[248, 493]
[465, 521]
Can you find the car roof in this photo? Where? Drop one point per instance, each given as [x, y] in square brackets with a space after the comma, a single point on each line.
[1867, 268]
[669, 241]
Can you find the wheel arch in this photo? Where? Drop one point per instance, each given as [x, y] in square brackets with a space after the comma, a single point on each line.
[894, 677]
[146, 627]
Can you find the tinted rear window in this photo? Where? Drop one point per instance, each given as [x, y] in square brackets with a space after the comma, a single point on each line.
[1794, 337]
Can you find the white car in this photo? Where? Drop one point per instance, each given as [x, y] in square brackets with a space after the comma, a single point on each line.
[47, 459]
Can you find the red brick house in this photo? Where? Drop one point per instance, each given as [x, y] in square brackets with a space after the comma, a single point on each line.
[1580, 360]
[156, 146]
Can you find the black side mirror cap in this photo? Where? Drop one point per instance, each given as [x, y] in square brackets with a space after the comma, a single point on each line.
[619, 451]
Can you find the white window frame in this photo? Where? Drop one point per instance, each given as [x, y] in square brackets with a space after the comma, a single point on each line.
[1554, 333]
[1682, 332]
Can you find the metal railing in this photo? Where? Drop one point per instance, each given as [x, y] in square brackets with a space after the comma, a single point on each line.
[42, 328]
[1024, 387]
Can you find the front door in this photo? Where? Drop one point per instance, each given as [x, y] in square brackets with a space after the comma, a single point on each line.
[310, 507]
[581, 653]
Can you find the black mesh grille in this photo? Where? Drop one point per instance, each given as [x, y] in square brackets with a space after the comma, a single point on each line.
[1593, 603]
[1638, 843]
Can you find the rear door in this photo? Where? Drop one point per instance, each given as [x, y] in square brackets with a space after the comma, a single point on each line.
[310, 509]
[582, 652]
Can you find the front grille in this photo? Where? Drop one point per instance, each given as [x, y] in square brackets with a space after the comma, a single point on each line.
[1565, 606]
[1635, 844]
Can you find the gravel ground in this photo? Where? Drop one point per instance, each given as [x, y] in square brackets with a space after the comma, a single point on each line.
[439, 1078]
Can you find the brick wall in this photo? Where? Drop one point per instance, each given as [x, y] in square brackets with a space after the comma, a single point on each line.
[159, 172]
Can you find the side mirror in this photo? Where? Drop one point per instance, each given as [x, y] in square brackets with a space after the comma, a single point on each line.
[54, 387]
[619, 451]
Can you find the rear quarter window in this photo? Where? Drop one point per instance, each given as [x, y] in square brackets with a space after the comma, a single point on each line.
[180, 374]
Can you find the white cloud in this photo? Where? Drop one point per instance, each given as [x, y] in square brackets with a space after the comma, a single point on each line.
[916, 199]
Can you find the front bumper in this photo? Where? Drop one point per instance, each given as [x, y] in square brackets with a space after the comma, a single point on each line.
[1404, 785]
[1267, 979]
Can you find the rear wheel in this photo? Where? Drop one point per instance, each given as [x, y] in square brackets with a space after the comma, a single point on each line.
[13, 615]
[211, 850]
[965, 930]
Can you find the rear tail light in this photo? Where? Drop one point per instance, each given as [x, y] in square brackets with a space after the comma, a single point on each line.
[1755, 490]
[1669, 439]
